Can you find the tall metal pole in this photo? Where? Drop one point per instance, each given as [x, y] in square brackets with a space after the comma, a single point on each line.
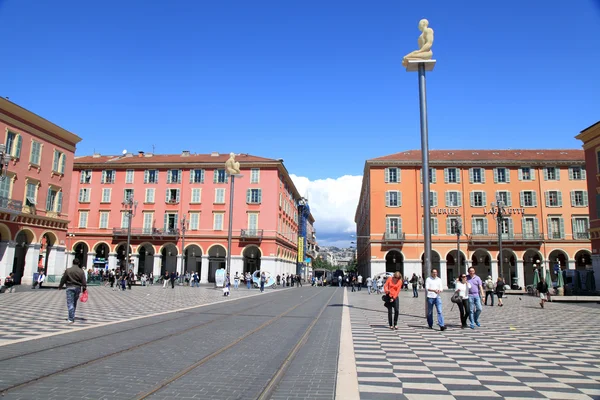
[183, 222]
[458, 233]
[500, 217]
[425, 161]
[229, 232]
[129, 205]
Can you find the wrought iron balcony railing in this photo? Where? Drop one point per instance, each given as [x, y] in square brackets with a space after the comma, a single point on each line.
[555, 235]
[394, 236]
[7, 204]
[509, 237]
[251, 234]
[581, 235]
[146, 232]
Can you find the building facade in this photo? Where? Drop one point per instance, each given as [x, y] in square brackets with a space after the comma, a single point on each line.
[591, 147]
[168, 188]
[33, 201]
[544, 205]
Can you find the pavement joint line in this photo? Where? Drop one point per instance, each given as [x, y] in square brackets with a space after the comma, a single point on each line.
[42, 336]
[281, 371]
[346, 387]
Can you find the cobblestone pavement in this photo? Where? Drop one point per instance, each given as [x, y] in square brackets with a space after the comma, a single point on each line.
[228, 350]
[520, 351]
[30, 314]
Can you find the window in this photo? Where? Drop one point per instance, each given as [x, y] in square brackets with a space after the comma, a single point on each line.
[501, 175]
[14, 141]
[196, 195]
[556, 227]
[218, 221]
[58, 164]
[551, 174]
[392, 175]
[129, 176]
[433, 199]
[36, 153]
[172, 196]
[220, 196]
[31, 194]
[477, 175]
[103, 220]
[526, 174]
[581, 226]
[106, 195]
[170, 223]
[505, 197]
[84, 195]
[579, 198]
[393, 227]
[453, 199]
[280, 200]
[83, 219]
[553, 198]
[507, 228]
[127, 194]
[528, 198]
[479, 226]
[194, 221]
[576, 174]
[451, 175]
[197, 176]
[108, 176]
[86, 176]
[148, 222]
[149, 196]
[451, 225]
[174, 176]
[432, 175]
[254, 175]
[478, 199]
[124, 220]
[219, 176]
[54, 200]
[531, 227]
[433, 226]
[393, 198]
[254, 196]
[151, 176]
[253, 223]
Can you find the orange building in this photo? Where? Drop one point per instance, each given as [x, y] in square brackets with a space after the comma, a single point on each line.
[545, 206]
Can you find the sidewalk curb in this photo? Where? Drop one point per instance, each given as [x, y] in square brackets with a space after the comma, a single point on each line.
[346, 387]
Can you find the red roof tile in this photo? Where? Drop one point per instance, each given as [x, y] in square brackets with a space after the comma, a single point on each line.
[168, 159]
[487, 155]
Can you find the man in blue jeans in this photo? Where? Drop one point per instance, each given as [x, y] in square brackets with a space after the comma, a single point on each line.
[74, 280]
[475, 295]
[434, 288]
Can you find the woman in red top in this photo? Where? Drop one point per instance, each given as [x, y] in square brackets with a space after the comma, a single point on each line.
[392, 289]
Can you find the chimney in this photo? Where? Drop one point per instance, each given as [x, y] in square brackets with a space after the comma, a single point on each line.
[214, 154]
[96, 155]
[140, 154]
[185, 153]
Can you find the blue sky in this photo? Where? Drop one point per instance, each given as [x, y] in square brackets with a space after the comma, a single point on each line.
[318, 83]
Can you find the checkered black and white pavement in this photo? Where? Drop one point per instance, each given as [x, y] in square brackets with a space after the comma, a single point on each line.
[520, 352]
[30, 314]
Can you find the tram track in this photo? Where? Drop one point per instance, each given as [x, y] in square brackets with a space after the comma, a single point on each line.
[21, 385]
[272, 383]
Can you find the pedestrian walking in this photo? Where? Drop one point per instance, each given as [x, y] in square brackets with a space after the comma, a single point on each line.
[287, 280]
[542, 288]
[74, 280]
[500, 290]
[111, 279]
[236, 281]
[9, 283]
[353, 283]
[414, 280]
[298, 281]
[475, 296]
[369, 284]
[263, 279]
[434, 288]
[340, 280]
[380, 285]
[392, 290]
[278, 279]
[421, 282]
[462, 287]
[489, 290]
[143, 279]
[248, 280]
[359, 281]
[151, 278]
[130, 279]
[173, 279]
[166, 279]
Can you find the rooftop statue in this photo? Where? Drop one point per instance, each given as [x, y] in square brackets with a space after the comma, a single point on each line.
[425, 43]
[232, 166]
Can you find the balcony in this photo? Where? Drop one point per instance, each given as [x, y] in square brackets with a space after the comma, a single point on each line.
[581, 235]
[10, 205]
[555, 236]
[507, 237]
[251, 234]
[394, 236]
[150, 232]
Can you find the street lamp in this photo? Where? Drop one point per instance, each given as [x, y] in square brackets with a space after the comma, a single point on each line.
[4, 160]
[500, 219]
[457, 225]
[130, 207]
[230, 228]
[183, 229]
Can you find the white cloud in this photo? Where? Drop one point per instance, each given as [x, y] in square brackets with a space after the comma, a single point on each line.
[333, 204]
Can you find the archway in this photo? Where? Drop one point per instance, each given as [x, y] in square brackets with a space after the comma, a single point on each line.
[453, 269]
[81, 250]
[509, 266]
[121, 254]
[169, 258]
[482, 261]
[23, 239]
[251, 259]
[145, 259]
[583, 260]
[193, 259]
[435, 262]
[101, 256]
[532, 260]
[47, 243]
[216, 260]
[394, 261]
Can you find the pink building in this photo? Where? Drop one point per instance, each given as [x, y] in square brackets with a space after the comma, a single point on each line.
[33, 209]
[168, 188]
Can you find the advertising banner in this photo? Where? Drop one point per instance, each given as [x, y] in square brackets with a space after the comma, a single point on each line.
[300, 249]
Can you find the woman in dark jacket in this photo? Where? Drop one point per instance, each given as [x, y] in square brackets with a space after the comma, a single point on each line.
[500, 290]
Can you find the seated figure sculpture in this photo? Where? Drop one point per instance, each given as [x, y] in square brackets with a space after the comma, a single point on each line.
[425, 42]
[232, 166]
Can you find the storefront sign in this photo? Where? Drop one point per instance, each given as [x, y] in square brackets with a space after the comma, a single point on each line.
[505, 211]
[300, 249]
[444, 211]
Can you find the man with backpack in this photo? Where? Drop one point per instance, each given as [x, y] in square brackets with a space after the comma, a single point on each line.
[489, 290]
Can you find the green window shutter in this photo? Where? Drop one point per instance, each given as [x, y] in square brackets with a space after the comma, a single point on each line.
[422, 199]
[473, 225]
[259, 195]
[399, 199]
[470, 175]
[448, 226]
[169, 176]
[179, 176]
[433, 175]
[472, 197]
[447, 199]
[48, 198]
[445, 175]
[398, 172]
[482, 171]
[435, 199]
[387, 199]
[545, 173]
[483, 198]
[387, 175]
[387, 224]
[59, 201]
[559, 196]
[192, 173]
[421, 175]
[485, 226]
[549, 225]
[435, 226]
[583, 174]
[522, 198]
[249, 196]
[534, 198]
[507, 172]
[167, 196]
[156, 176]
[18, 145]
[562, 227]
[547, 196]
[63, 161]
[166, 222]
[215, 175]
[509, 199]
[458, 171]
[399, 225]
[570, 173]
[533, 171]
[585, 198]
[572, 198]
[536, 225]
[510, 227]
[459, 199]
[177, 196]
[520, 173]
[495, 175]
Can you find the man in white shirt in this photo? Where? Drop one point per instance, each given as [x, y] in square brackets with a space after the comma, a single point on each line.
[434, 288]
[369, 284]
[359, 281]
